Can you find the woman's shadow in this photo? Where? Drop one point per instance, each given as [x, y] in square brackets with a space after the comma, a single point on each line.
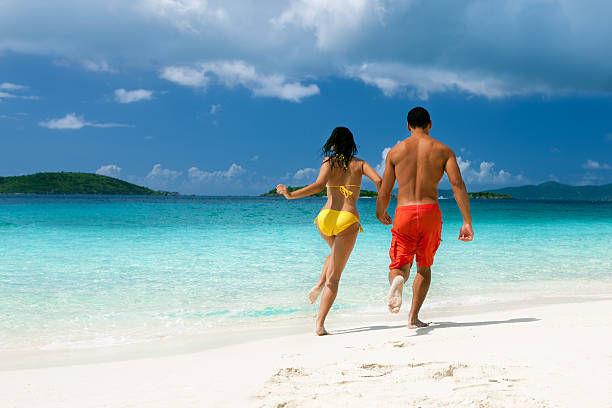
[438, 325]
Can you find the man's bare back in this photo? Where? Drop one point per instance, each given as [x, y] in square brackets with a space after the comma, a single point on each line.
[418, 164]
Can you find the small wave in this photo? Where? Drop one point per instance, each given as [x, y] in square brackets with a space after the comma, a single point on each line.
[108, 341]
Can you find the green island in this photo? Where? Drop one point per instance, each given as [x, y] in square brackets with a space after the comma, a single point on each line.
[72, 183]
[490, 196]
[362, 193]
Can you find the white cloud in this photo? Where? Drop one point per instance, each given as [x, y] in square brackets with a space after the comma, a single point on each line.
[97, 66]
[333, 22]
[233, 171]
[215, 108]
[485, 173]
[12, 87]
[72, 121]
[233, 73]
[493, 49]
[123, 96]
[7, 86]
[185, 76]
[111, 170]
[595, 165]
[61, 62]
[186, 15]
[159, 174]
[306, 173]
[6, 95]
[420, 82]
[380, 167]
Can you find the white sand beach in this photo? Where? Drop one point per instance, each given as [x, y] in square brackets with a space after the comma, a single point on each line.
[555, 355]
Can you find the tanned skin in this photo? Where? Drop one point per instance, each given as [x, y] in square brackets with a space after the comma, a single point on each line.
[418, 164]
[341, 245]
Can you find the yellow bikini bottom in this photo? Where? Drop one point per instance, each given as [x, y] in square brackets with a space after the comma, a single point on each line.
[333, 222]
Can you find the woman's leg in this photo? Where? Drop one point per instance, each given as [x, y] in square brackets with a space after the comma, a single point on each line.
[316, 289]
[341, 250]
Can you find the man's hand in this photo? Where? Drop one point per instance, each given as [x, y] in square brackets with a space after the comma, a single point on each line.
[466, 233]
[385, 219]
[282, 189]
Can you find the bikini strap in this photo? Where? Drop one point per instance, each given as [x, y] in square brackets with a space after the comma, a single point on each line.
[344, 190]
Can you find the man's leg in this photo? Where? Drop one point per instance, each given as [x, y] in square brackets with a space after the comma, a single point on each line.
[397, 278]
[420, 287]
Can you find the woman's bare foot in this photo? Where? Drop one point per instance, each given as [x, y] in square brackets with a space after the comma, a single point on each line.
[314, 293]
[417, 324]
[394, 300]
[320, 331]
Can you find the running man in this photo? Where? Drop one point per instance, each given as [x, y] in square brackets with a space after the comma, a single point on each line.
[418, 163]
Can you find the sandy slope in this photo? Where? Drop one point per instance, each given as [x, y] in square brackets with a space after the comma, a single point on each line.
[544, 356]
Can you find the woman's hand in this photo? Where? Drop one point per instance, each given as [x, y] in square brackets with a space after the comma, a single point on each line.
[385, 218]
[282, 189]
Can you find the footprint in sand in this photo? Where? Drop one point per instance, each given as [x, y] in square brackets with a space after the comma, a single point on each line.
[290, 372]
[448, 371]
[400, 344]
[375, 370]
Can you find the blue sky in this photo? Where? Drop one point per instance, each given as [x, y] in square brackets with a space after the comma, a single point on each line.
[207, 97]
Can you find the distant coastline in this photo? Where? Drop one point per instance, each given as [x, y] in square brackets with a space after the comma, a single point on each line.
[373, 194]
[64, 183]
[549, 191]
[73, 183]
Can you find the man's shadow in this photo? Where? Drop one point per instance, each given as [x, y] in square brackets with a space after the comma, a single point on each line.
[436, 325]
[442, 325]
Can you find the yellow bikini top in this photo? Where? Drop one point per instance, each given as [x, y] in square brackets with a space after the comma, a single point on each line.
[344, 190]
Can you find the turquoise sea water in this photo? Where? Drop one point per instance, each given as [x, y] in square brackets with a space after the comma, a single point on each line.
[80, 272]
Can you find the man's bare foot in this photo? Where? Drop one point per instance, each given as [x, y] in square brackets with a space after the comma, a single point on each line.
[417, 324]
[320, 331]
[394, 300]
[314, 293]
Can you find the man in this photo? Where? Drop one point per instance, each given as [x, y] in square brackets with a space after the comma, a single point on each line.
[418, 163]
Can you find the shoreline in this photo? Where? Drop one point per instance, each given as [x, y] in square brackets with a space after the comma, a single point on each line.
[528, 357]
[249, 332]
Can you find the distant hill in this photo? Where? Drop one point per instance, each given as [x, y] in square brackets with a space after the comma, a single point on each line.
[71, 183]
[363, 193]
[552, 190]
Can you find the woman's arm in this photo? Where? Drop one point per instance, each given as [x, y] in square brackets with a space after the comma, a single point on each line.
[370, 173]
[311, 189]
[384, 193]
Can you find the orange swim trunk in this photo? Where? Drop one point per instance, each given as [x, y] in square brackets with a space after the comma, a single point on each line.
[416, 231]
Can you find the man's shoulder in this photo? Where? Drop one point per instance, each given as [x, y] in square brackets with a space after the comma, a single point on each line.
[442, 148]
[399, 147]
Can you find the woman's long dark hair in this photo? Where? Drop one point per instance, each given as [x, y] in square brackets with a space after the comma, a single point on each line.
[340, 148]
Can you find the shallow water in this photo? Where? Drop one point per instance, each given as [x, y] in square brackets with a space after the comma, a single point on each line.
[81, 272]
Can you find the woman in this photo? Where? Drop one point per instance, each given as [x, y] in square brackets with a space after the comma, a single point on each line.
[338, 221]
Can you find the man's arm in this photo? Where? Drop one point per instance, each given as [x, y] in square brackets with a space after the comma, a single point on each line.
[461, 197]
[384, 192]
[310, 189]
